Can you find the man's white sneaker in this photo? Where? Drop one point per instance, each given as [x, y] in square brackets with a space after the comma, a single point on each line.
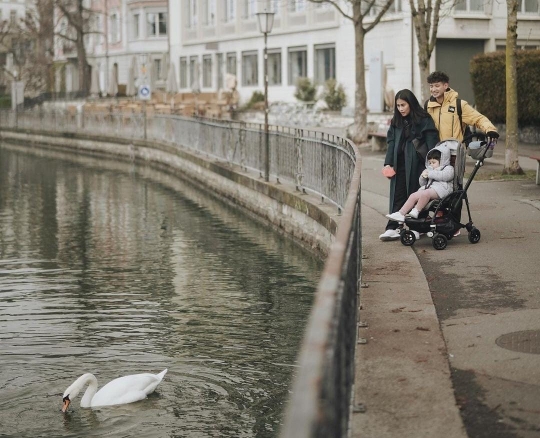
[414, 213]
[389, 235]
[397, 216]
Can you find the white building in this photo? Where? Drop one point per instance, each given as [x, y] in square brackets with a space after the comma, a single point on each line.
[315, 40]
[208, 38]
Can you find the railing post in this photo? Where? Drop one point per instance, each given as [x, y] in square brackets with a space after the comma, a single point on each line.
[299, 162]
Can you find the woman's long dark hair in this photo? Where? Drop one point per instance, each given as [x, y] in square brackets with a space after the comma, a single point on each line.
[417, 112]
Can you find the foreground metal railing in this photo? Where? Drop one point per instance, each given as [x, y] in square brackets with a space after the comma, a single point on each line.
[324, 164]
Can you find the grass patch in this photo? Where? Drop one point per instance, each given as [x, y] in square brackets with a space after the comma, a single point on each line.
[492, 175]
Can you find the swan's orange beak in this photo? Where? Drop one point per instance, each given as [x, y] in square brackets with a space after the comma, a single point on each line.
[66, 401]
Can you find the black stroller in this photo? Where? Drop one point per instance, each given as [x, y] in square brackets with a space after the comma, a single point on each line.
[441, 218]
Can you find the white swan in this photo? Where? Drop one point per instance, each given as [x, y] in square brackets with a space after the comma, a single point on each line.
[127, 389]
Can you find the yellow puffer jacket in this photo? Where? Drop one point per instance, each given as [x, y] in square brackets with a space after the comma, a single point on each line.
[446, 117]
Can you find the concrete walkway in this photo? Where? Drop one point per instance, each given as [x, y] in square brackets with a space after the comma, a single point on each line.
[452, 334]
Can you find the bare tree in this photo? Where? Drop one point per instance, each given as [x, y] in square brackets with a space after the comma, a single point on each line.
[425, 17]
[511, 161]
[357, 11]
[78, 19]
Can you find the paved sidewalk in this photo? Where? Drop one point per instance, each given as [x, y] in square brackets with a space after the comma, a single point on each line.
[433, 365]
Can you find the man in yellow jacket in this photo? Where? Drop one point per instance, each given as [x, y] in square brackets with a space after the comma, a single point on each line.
[444, 108]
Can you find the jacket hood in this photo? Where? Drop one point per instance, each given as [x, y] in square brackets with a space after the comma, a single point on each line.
[445, 154]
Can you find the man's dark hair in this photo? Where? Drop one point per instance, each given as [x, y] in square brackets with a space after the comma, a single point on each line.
[438, 76]
[434, 154]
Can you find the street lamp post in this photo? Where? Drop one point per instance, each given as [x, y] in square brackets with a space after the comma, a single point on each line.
[266, 21]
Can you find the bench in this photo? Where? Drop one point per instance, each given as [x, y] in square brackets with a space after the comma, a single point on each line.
[537, 158]
[378, 141]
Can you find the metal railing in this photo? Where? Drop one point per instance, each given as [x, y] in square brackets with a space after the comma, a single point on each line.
[325, 164]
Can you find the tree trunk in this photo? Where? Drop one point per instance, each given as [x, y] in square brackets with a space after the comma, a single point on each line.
[511, 160]
[358, 132]
[423, 53]
[84, 77]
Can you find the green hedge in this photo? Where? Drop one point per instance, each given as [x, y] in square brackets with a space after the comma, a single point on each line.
[5, 102]
[489, 84]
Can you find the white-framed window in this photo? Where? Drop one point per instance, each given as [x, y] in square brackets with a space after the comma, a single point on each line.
[193, 72]
[528, 7]
[157, 68]
[473, 6]
[219, 70]
[231, 63]
[135, 26]
[192, 13]
[250, 71]
[156, 24]
[114, 27]
[325, 62]
[297, 64]
[273, 6]
[207, 71]
[210, 9]
[183, 72]
[250, 8]
[297, 5]
[274, 67]
[394, 8]
[230, 10]
[13, 17]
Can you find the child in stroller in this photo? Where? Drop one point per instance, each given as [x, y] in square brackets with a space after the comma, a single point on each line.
[441, 218]
[435, 183]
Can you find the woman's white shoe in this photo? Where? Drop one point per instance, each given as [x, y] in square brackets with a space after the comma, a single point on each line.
[389, 235]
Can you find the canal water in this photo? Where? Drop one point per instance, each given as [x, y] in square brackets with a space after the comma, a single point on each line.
[115, 269]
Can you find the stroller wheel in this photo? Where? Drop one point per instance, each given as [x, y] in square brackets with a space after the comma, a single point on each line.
[474, 235]
[439, 241]
[407, 238]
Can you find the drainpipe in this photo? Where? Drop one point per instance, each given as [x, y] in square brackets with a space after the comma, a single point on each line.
[106, 14]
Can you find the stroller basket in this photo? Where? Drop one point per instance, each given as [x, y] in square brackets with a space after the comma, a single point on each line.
[477, 148]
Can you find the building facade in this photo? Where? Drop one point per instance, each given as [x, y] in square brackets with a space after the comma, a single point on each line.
[208, 39]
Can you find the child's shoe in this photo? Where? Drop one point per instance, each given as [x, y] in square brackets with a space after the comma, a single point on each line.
[414, 213]
[397, 216]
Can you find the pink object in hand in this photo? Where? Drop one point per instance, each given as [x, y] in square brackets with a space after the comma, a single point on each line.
[388, 172]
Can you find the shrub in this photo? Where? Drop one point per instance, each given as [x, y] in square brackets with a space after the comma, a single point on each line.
[334, 95]
[5, 102]
[488, 77]
[305, 90]
[256, 97]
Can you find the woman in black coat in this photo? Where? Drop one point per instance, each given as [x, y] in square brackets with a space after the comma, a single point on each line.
[410, 122]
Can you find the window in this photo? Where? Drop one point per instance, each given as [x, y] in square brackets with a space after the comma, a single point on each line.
[191, 13]
[274, 6]
[325, 62]
[374, 8]
[207, 71]
[274, 67]
[231, 63]
[135, 27]
[297, 5]
[250, 72]
[183, 72]
[297, 64]
[469, 6]
[230, 10]
[156, 24]
[219, 68]
[249, 8]
[210, 12]
[528, 6]
[193, 72]
[114, 28]
[12, 17]
[157, 69]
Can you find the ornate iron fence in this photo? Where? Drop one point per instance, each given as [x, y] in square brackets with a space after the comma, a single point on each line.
[321, 163]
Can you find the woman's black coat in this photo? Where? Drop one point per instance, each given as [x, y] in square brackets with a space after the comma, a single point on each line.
[426, 130]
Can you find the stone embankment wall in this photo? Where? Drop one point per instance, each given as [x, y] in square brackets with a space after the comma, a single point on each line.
[301, 216]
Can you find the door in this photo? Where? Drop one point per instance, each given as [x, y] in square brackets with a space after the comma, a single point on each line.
[453, 56]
